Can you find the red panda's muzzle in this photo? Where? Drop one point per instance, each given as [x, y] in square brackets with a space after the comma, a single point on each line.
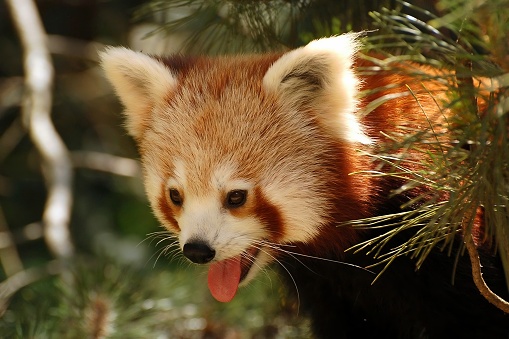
[225, 276]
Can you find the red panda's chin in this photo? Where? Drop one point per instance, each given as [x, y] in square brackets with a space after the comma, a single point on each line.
[248, 257]
[225, 276]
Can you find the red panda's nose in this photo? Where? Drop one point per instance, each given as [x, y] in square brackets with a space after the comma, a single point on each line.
[199, 252]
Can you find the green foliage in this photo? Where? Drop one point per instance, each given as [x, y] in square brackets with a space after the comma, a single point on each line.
[102, 299]
[219, 26]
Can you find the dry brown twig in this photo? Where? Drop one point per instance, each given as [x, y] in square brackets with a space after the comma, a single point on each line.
[486, 292]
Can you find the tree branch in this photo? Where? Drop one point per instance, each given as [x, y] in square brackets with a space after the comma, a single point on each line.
[9, 256]
[106, 163]
[36, 111]
[486, 292]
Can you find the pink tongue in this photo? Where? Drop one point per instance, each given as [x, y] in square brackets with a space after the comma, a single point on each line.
[224, 278]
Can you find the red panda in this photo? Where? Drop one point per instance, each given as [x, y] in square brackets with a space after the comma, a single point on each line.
[248, 160]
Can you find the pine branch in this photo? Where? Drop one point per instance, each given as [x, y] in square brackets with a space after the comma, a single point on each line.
[233, 26]
[472, 169]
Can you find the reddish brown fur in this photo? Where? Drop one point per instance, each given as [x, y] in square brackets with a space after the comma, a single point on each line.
[355, 196]
[190, 127]
[270, 216]
[167, 209]
[360, 196]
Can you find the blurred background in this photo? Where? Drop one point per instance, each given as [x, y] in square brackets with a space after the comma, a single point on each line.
[123, 280]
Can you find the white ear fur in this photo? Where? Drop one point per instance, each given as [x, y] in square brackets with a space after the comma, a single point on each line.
[320, 76]
[140, 82]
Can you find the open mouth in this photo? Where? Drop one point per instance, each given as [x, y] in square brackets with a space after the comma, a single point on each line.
[225, 276]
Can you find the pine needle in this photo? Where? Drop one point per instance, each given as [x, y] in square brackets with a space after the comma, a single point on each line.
[472, 169]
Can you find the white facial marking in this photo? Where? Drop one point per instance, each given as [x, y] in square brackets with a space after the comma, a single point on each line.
[224, 178]
[203, 216]
[179, 178]
[206, 220]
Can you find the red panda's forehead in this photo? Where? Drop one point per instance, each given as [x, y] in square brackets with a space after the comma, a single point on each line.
[220, 118]
[218, 93]
[242, 128]
[224, 82]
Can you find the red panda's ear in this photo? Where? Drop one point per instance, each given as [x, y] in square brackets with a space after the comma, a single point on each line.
[140, 81]
[319, 77]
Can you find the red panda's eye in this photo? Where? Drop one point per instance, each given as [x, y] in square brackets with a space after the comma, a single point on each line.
[175, 197]
[236, 198]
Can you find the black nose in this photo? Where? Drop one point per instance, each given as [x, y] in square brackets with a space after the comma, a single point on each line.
[198, 252]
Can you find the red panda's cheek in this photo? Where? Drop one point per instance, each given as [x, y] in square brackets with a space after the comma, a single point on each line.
[269, 215]
[167, 213]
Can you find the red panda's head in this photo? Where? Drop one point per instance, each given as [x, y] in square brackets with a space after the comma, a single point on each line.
[245, 154]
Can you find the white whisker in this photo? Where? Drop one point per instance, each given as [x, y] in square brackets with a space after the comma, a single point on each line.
[291, 277]
[293, 254]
